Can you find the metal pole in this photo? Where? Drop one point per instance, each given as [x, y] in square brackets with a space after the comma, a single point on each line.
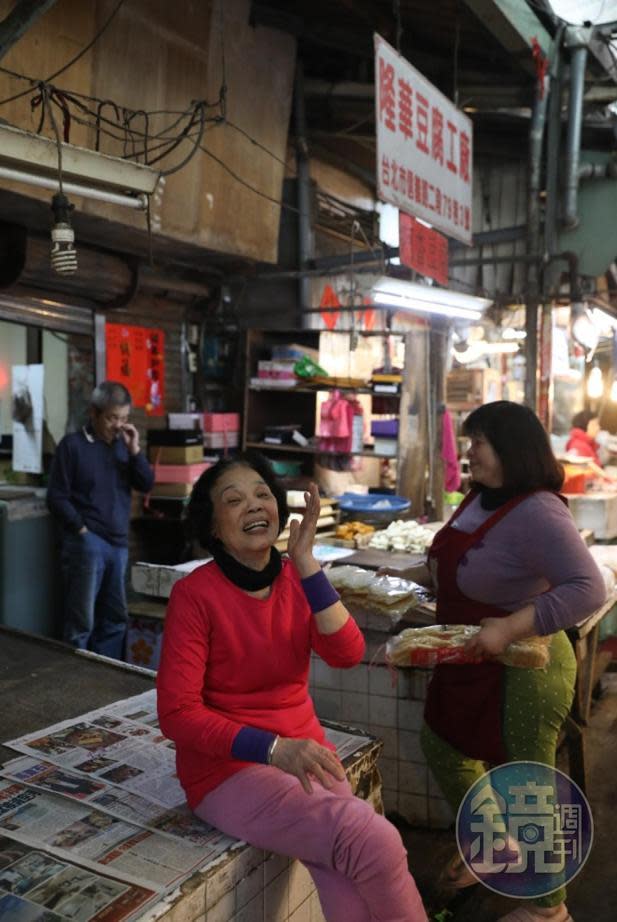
[305, 248]
[536, 139]
[578, 62]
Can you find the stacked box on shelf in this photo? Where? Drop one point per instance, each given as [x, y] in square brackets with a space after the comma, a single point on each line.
[220, 430]
[177, 458]
[385, 436]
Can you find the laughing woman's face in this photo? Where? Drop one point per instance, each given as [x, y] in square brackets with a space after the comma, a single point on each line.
[246, 518]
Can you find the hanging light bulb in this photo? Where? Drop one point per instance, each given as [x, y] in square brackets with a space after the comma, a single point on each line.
[595, 383]
[63, 255]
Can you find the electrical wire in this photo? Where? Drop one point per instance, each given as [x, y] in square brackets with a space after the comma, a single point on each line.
[243, 182]
[73, 60]
[47, 108]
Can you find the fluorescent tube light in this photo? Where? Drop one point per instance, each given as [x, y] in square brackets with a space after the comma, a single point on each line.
[72, 188]
[476, 350]
[38, 156]
[401, 295]
[595, 383]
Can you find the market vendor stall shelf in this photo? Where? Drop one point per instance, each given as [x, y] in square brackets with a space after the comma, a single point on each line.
[590, 664]
[373, 559]
[595, 511]
[51, 682]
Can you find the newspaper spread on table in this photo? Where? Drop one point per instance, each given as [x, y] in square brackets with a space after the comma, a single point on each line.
[93, 823]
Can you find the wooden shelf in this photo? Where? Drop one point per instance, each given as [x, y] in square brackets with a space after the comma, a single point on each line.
[298, 449]
[314, 389]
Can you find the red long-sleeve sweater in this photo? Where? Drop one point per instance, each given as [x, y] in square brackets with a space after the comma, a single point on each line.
[583, 445]
[230, 660]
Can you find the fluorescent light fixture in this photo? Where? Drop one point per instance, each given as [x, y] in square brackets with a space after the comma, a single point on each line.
[579, 12]
[605, 321]
[73, 188]
[584, 330]
[595, 383]
[401, 295]
[36, 158]
[477, 349]
[511, 333]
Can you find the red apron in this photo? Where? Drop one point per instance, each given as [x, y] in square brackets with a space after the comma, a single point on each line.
[464, 702]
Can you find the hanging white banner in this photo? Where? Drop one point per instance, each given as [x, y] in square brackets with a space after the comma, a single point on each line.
[27, 415]
[424, 146]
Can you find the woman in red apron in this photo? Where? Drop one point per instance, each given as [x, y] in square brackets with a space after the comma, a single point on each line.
[511, 560]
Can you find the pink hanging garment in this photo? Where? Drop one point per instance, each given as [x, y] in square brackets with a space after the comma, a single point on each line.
[452, 471]
[335, 424]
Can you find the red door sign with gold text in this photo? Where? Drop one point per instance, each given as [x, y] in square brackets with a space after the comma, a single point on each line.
[136, 358]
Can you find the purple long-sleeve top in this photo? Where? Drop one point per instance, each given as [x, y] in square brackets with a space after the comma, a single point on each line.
[534, 554]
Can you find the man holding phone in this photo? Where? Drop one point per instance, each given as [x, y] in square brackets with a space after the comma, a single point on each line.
[89, 494]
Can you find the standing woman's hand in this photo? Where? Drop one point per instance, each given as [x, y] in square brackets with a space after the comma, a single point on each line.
[302, 534]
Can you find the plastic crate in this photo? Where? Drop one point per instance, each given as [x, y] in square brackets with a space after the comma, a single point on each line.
[376, 508]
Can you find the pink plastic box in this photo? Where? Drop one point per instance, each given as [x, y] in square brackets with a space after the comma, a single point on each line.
[221, 422]
[179, 473]
[221, 439]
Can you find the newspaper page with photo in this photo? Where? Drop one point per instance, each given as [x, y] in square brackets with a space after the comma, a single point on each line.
[75, 831]
[179, 823]
[137, 757]
[39, 887]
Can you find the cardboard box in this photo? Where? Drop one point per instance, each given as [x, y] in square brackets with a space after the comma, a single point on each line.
[468, 388]
[171, 489]
[221, 422]
[185, 420]
[173, 437]
[175, 454]
[156, 579]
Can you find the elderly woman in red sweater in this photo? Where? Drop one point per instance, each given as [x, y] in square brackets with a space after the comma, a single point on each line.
[252, 756]
[582, 438]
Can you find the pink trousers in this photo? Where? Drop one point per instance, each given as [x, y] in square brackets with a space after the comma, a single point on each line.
[355, 856]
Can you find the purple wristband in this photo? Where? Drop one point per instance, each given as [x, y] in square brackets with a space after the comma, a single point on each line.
[319, 591]
[252, 745]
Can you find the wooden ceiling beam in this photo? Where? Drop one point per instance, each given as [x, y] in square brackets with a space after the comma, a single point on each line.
[515, 26]
[22, 16]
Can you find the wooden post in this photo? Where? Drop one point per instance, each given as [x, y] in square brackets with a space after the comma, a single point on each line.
[438, 343]
[413, 422]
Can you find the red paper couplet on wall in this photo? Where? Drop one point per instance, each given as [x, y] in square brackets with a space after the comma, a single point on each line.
[423, 249]
[135, 356]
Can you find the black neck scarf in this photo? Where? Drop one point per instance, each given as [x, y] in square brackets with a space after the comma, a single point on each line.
[492, 498]
[244, 577]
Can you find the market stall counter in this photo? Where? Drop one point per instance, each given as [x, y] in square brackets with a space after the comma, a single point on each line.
[390, 701]
[92, 814]
[596, 511]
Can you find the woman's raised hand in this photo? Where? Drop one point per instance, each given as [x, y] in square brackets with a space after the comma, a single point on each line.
[307, 760]
[302, 534]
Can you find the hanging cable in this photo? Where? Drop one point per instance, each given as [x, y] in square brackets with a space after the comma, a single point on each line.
[197, 144]
[74, 59]
[223, 90]
[396, 7]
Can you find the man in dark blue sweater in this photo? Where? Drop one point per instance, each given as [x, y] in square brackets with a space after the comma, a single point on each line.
[89, 493]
